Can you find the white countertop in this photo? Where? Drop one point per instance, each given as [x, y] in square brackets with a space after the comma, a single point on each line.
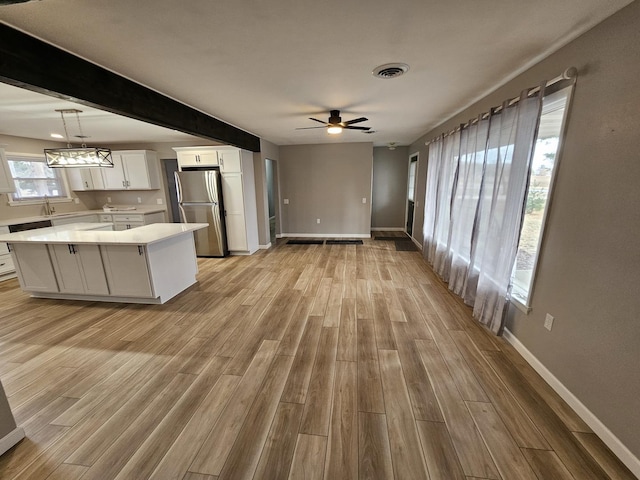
[139, 209]
[82, 233]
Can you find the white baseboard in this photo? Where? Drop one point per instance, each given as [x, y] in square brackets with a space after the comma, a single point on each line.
[327, 235]
[10, 439]
[617, 447]
[387, 229]
[264, 247]
[416, 243]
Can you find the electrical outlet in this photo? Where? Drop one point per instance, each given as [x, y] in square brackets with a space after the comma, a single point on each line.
[159, 201]
[108, 199]
[317, 220]
[548, 321]
[139, 200]
[76, 200]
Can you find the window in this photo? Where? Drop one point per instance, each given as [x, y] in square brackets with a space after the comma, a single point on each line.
[34, 180]
[543, 167]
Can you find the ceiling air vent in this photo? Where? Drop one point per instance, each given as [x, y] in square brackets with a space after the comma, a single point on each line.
[390, 70]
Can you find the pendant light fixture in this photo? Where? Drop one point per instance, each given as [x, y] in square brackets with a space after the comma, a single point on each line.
[77, 157]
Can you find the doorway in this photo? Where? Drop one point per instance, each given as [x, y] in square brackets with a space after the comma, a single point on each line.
[270, 167]
[411, 192]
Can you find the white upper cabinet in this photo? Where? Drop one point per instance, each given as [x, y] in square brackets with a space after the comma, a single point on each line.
[197, 156]
[85, 179]
[6, 181]
[229, 160]
[132, 170]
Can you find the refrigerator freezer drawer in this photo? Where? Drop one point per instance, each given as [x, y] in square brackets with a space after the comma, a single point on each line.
[212, 241]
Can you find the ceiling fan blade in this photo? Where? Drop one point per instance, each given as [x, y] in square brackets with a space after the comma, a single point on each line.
[357, 128]
[319, 121]
[307, 128]
[357, 120]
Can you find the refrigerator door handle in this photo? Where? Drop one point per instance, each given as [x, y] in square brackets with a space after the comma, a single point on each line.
[178, 187]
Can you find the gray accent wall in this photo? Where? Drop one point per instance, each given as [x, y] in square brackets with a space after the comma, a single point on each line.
[589, 269]
[327, 182]
[389, 193]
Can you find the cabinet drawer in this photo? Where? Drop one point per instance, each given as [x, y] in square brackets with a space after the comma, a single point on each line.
[128, 218]
[6, 263]
[106, 218]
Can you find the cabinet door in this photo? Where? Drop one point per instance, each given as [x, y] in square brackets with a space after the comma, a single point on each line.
[66, 264]
[34, 268]
[114, 177]
[126, 270]
[96, 178]
[208, 158]
[92, 269]
[77, 180]
[135, 171]
[6, 180]
[230, 161]
[233, 198]
[236, 232]
[6, 264]
[197, 158]
[66, 220]
[187, 159]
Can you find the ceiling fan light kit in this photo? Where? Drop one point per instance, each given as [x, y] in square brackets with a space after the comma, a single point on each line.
[77, 157]
[335, 125]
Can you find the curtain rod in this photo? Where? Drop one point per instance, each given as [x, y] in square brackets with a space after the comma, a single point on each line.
[569, 74]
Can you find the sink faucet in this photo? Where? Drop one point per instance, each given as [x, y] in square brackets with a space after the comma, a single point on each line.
[48, 209]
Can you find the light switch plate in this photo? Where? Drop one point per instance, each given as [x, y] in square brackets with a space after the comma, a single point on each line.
[548, 321]
[285, 201]
[364, 199]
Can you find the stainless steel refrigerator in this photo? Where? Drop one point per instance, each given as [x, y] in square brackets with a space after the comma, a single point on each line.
[200, 201]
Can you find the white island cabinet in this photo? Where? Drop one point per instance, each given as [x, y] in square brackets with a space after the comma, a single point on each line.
[149, 264]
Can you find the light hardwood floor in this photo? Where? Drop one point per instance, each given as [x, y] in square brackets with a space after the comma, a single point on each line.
[300, 362]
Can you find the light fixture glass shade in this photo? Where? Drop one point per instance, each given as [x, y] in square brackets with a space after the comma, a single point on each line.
[78, 157]
[333, 130]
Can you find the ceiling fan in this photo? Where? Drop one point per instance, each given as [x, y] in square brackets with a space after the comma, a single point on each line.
[335, 124]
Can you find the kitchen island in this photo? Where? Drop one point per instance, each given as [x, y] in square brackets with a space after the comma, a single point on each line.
[149, 264]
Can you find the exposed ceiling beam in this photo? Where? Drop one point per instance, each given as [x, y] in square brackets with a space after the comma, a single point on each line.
[30, 63]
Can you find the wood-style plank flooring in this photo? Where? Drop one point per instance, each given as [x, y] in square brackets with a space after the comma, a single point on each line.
[299, 362]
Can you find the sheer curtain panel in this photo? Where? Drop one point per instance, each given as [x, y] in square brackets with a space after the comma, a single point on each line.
[476, 187]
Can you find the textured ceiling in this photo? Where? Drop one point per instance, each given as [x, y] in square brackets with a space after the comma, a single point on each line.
[267, 66]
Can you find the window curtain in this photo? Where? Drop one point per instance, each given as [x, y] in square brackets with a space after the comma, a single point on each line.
[476, 188]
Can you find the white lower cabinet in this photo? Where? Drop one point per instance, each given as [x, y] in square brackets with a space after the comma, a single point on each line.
[34, 267]
[79, 269]
[7, 268]
[66, 220]
[234, 211]
[126, 270]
